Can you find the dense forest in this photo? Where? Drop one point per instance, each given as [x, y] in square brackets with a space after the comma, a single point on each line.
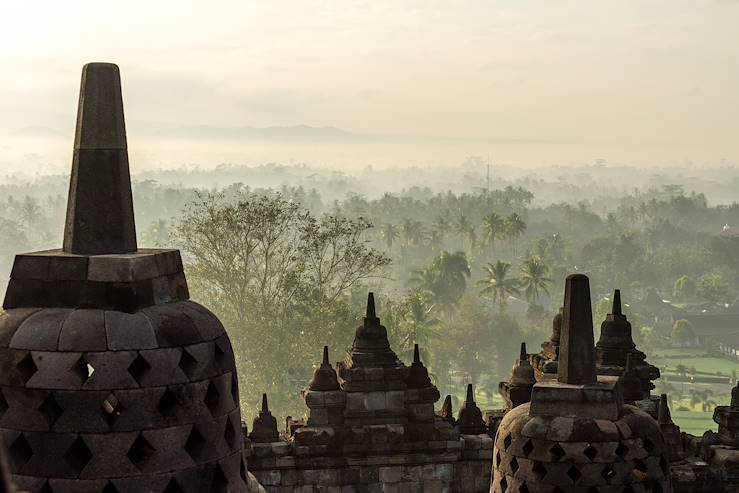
[468, 271]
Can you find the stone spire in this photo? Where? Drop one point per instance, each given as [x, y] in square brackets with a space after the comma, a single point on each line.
[670, 431]
[324, 378]
[371, 346]
[100, 207]
[616, 347]
[446, 412]
[663, 413]
[418, 377]
[264, 427]
[576, 353]
[517, 390]
[470, 420]
[523, 373]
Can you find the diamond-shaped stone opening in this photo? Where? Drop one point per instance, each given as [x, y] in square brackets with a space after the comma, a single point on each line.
[82, 369]
[46, 488]
[168, 404]
[219, 355]
[220, 481]
[173, 487]
[78, 455]
[557, 489]
[27, 368]
[640, 466]
[593, 489]
[539, 470]
[607, 473]
[514, 465]
[657, 488]
[212, 397]
[528, 447]
[574, 473]
[19, 453]
[557, 452]
[628, 489]
[112, 409]
[523, 488]
[229, 434]
[110, 488]
[140, 452]
[498, 459]
[139, 368]
[648, 445]
[503, 484]
[188, 364]
[507, 442]
[50, 409]
[590, 452]
[195, 444]
[622, 450]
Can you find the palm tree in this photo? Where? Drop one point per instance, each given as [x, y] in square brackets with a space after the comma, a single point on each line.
[420, 322]
[389, 233]
[514, 228]
[497, 284]
[462, 227]
[492, 227]
[443, 223]
[412, 232]
[534, 278]
[444, 281]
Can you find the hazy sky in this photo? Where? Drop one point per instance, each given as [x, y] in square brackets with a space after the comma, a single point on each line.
[624, 79]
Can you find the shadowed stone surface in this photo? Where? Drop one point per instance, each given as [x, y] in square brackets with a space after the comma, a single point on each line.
[111, 379]
[576, 434]
[576, 353]
[100, 207]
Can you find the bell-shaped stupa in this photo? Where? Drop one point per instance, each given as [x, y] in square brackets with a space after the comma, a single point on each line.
[111, 379]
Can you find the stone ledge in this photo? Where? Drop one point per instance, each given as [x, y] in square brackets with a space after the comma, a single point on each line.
[125, 282]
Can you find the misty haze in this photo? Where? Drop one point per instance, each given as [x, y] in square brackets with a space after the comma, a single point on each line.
[347, 247]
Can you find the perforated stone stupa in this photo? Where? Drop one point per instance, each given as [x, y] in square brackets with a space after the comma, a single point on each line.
[111, 380]
[576, 434]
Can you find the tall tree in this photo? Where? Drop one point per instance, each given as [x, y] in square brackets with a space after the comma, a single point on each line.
[389, 233]
[514, 228]
[492, 228]
[534, 278]
[497, 284]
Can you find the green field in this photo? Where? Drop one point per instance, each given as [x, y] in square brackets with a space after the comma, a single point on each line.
[694, 422]
[711, 365]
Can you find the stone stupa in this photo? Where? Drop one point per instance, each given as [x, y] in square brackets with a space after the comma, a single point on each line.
[111, 380]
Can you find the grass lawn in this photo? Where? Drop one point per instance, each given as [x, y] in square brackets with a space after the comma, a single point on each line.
[711, 365]
[694, 422]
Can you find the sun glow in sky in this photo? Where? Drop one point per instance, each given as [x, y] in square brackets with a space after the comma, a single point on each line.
[630, 80]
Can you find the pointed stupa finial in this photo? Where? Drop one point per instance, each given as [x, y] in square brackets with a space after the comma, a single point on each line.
[325, 355]
[265, 405]
[663, 413]
[100, 206]
[577, 347]
[524, 355]
[446, 412]
[371, 314]
[616, 310]
[416, 354]
[470, 398]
